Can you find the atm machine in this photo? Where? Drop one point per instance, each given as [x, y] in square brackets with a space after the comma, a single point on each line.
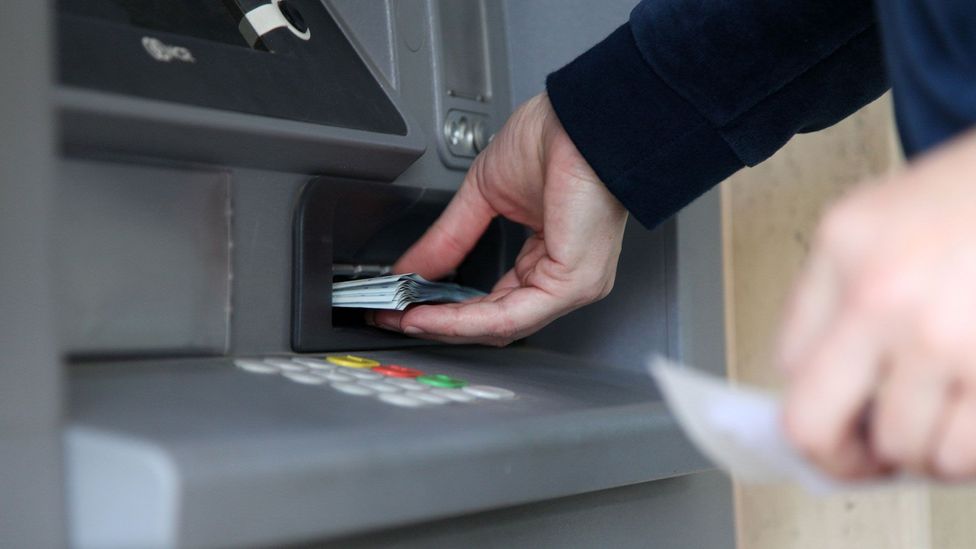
[181, 181]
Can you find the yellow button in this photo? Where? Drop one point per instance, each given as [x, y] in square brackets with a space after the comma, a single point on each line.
[350, 361]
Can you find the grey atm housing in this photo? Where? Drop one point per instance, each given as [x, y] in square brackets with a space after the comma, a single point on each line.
[161, 236]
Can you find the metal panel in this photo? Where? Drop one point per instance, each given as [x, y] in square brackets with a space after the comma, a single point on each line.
[143, 259]
[671, 514]
[700, 299]
[370, 27]
[465, 49]
[126, 126]
[263, 203]
[30, 370]
[544, 35]
[420, 52]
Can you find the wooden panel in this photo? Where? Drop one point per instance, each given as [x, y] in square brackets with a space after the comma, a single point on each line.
[952, 510]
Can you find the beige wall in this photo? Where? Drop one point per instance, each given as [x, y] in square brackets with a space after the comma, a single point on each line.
[770, 212]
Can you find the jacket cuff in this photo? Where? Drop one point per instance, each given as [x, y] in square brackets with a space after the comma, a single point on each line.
[650, 147]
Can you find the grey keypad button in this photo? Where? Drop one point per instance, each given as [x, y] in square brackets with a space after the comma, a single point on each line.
[457, 395]
[335, 376]
[380, 386]
[307, 378]
[314, 363]
[401, 399]
[353, 389]
[429, 397]
[362, 373]
[408, 384]
[285, 365]
[489, 392]
[256, 366]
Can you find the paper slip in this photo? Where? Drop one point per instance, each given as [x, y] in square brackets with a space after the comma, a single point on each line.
[397, 292]
[739, 429]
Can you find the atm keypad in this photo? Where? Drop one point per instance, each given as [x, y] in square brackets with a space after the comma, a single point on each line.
[394, 384]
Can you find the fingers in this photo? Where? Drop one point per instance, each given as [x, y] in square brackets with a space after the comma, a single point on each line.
[498, 319]
[887, 303]
[910, 407]
[833, 367]
[392, 320]
[832, 351]
[954, 456]
[446, 243]
[829, 394]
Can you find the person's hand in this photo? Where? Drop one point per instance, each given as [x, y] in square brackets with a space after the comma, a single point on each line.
[880, 341]
[532, 174]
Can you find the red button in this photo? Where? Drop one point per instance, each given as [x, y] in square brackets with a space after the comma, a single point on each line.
[395, 370]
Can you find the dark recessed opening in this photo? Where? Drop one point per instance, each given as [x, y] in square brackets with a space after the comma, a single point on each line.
[293, 16]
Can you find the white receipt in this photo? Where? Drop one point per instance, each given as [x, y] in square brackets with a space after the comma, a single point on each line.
[738, 428]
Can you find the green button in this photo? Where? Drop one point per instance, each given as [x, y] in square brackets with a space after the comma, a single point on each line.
[441, 380]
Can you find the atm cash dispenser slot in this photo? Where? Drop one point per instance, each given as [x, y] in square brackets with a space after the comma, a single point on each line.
[344, 226]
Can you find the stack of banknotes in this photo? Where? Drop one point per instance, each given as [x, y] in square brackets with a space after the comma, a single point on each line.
[397, 292]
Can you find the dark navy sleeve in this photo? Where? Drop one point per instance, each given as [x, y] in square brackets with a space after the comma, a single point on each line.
[690, 91]
[931, 54]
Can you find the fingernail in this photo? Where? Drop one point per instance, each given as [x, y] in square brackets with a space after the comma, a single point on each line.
[371, 321]
[412, 330]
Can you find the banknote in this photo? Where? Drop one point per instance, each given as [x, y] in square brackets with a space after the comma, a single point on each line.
[397, 292]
